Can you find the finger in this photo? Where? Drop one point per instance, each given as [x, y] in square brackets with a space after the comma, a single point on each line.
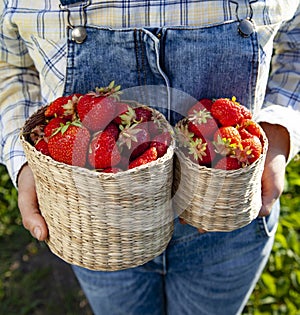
[28, 205]
[31, 217]
[268, 201]
[182, 221]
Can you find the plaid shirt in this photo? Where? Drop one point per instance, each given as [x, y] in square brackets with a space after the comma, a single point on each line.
[33, 54]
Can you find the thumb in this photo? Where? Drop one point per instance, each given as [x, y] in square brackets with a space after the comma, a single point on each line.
[28, 205]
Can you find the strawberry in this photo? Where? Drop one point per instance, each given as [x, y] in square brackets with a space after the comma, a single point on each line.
[143, 114]
[228, 163]
[202, 124]
[42, 146]
[156, 125]
[207, 103]
[53, 125]
[97, 109]
[147, 157]
[204, 103]
[161, 142]
[62, 106]
[113, 129]
[103, 151]
[126, 118]
[226, 111]
[96, 112]
[226, 139]
[196, 148]
[70, 143]
[249, 151]
[200, 151]
[121, 111]
[251, 126]
[208, 155]
[246, 114]
[244, 133]
[134, 140]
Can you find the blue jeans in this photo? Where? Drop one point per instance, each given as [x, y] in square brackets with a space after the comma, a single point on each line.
[200, 274]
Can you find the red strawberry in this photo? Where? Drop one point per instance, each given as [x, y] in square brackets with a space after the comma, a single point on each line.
[53, 125]
[122, 109]
[202, 124]
[134, 140]
[143, 114]
[156, 125]
[226, 111]
[204, 103]
[148, 156]
[113, 129]
[201, 151]
[97, 109]
[103, 151]
[226, 139]
[207, 103]
[69, 145]
[251, 126]
[196, 148]
[208, 155]
[42, 146]
[244, 133]
[246, 114]
[228, 163]
[161, 142]
[249, 151]
[62, 106]
[96, 112]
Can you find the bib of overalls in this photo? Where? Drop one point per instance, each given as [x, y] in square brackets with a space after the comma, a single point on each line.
[201, 62]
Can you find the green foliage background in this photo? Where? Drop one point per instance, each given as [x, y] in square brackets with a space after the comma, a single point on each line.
[28, 291]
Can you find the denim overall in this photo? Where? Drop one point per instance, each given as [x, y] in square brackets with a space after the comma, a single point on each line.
[210, 273]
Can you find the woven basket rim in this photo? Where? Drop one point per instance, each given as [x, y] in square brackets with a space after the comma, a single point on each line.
[241, 170]
[93, 172]
[96, 173]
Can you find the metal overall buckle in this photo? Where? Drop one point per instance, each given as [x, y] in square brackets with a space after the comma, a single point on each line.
[78, 32]
[246, 27]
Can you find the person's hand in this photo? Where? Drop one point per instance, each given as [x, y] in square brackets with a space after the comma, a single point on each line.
[200, 230]
[28, 205]
[275, 165]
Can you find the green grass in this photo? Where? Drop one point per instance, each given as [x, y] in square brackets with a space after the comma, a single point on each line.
[35, 282]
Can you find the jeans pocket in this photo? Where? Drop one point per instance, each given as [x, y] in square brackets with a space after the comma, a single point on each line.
[267, 226]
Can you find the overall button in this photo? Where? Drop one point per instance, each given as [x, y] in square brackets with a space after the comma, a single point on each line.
[79, 34]
[245, 28]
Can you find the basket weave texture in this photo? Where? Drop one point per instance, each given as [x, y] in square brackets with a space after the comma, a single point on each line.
[103, 221]
[215, 199]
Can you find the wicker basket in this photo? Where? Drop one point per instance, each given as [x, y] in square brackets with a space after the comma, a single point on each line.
[215, 199]
[103, 221]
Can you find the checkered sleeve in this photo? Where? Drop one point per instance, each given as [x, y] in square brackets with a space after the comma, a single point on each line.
[19, 93]
[282, 102]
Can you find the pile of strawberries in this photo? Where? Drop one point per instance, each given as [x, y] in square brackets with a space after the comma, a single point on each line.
[98, 131]
[221, 134]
